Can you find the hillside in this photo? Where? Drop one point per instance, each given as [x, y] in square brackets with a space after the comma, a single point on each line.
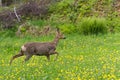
[67, 15]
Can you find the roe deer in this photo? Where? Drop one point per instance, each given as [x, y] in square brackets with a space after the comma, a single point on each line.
[40, 49]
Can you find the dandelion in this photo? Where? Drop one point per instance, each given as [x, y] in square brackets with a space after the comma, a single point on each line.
[113, 76]
[2, 61]
[16, 44]
[19, 78]
[57, 78]
[1, 77]
[61, 71]
[104, 66]
[78, 78]
[81, 57]
[104, 76]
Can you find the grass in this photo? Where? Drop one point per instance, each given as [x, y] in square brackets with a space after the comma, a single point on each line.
[81, 58]
[92, 25]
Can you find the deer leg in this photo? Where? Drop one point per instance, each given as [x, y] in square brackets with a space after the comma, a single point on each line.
[48, 57]
[16, 56]
[27, 57]
[57, 54]
[54, 52]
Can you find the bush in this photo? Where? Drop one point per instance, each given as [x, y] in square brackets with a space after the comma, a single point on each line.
[67, 28]
[92, 25]
[39, 22]
[114, 25]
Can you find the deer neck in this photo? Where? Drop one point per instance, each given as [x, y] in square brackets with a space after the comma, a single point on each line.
[55, 41]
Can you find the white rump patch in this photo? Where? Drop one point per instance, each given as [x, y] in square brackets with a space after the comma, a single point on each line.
[23, 48]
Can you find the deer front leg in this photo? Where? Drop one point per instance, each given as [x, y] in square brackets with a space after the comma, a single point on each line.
[48, 57]
[57, 54]
[54, 52]
[16, 56]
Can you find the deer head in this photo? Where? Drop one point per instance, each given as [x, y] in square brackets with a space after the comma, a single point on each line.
[59, 35]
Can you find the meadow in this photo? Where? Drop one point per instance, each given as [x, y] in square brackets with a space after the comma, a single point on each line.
[81, 58]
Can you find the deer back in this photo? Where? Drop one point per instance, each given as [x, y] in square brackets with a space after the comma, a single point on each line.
[37, 48]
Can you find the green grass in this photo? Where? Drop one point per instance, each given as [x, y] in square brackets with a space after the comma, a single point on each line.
[81, 58]
[39, 23]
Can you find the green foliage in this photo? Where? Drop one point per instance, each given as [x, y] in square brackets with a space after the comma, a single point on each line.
[38, 22]
[61, 7]
[23, 29]
[92, 25]
[68, 28]
[72, 9]
[66, 13]
[7, 32]
[113, 24]
[116, 24]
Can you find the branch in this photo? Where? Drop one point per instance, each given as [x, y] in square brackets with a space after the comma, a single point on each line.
[16, 15]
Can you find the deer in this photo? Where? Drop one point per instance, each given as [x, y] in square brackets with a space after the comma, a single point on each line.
[40, 48]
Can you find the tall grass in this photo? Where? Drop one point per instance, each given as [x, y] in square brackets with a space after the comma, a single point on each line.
[92, 25]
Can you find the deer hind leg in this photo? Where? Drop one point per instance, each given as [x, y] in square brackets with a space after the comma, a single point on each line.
[16, 56]
[27, 57]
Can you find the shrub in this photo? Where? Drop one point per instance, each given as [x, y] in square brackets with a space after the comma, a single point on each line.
[67, 28]
[92, 25]
[114, 24]
[27, 11]
[39, 22]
